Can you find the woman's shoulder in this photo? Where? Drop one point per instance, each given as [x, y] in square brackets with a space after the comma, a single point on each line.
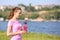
[10, 21]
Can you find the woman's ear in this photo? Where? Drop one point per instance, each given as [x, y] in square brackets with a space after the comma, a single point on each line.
[15, 12]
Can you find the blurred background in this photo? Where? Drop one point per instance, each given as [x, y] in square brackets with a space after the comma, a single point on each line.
[43, 18]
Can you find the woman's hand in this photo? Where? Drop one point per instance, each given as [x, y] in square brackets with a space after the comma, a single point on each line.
[22, 32]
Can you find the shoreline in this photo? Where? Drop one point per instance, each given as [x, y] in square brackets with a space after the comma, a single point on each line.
[36, 20]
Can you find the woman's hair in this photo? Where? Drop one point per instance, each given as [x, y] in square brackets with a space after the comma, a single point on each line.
[12, 12]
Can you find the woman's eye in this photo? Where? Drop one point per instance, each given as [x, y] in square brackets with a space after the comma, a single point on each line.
[19, 13]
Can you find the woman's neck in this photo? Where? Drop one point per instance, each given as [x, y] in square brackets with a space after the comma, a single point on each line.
[14, 18]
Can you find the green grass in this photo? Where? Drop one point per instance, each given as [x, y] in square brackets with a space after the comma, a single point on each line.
[32, 36]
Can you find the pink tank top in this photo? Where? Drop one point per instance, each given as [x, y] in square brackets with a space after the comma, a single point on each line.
[16, 26]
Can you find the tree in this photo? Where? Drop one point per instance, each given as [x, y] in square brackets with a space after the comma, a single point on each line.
[21, 5]
[57, 15]
[56, 7]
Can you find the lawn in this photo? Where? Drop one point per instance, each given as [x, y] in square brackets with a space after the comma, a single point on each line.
[32, 36]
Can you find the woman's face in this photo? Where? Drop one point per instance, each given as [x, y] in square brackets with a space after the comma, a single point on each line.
[17, 13]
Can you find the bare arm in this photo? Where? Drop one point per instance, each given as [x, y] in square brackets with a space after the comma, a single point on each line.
[9, 33]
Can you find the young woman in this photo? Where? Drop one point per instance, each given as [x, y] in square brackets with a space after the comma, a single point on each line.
[14, 26]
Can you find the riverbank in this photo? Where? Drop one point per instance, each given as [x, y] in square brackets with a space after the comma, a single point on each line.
[32, 36]
[38, 20]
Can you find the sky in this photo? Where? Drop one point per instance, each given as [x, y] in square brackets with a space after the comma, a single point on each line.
[27, 2]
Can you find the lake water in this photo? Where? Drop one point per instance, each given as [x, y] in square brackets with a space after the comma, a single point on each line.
[37, 27]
